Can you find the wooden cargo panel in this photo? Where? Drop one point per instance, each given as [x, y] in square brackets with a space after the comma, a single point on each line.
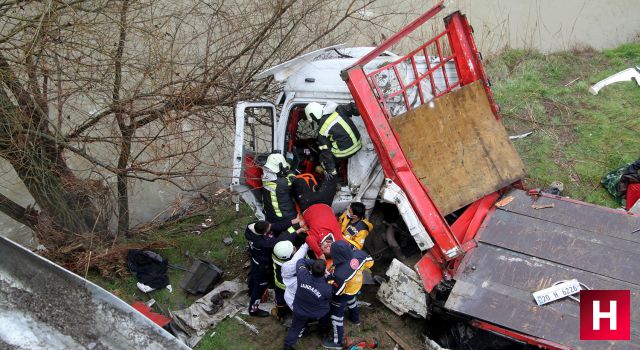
[457, 148]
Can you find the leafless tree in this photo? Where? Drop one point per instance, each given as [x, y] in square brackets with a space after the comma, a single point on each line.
[136, 90]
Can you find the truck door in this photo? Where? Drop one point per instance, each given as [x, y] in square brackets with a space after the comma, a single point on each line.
[252, 144]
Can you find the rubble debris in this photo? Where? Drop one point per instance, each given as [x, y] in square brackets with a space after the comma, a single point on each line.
[396, 338]
[504, 201]
[227, 241]
[191, 324]
[251, 327]
[628, 74]
[521, 136]
[403, 293]
[542, 206]
[208, 222]
[554, 188]
[145, 309]
[201, 278]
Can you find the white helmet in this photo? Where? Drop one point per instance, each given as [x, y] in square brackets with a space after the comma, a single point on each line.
[276, 162]
[313, 111]
[282, 252]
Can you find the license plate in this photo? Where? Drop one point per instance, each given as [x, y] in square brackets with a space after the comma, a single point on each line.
[556, 292]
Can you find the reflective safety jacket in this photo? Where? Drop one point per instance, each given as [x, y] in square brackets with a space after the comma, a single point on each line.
[338, 133]
[346, 271]
[277, 200]
[355, 233]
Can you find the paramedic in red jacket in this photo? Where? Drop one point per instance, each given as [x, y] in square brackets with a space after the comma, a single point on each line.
[317, 212]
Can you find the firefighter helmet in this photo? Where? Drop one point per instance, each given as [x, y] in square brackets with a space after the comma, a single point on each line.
[283, 251]
[276, 163]
[313, 111]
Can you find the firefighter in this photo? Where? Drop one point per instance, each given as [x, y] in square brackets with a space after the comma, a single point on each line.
[346, 273]
[355, 227]
[311, 301]
[262, 236]
[276, 191]
[338, 137]
[282, 252]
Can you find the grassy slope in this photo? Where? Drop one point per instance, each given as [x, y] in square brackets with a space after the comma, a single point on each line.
[184, 247]
[577, 137]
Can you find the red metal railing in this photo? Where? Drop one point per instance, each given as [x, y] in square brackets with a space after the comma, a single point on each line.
[429, 72]
[443, 63]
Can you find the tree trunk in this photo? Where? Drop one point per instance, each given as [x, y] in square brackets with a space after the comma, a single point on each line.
[123, 192]
[39, 164]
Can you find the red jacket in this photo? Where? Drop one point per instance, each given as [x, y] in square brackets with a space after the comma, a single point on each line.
[321, 222]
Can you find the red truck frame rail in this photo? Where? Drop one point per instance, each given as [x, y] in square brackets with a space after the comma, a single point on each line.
[454, 44]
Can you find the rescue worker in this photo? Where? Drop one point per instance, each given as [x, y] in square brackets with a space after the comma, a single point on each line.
[355, 227]
[337, 135]
[276, 191]
[289, 275]
[346, 274]
[312, 297]
[282, 252]
[262, 236]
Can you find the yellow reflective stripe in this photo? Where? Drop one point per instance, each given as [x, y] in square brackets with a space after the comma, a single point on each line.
[347, 152]
[274, 198]
[291, 229]
[324, 129]
[275, 278]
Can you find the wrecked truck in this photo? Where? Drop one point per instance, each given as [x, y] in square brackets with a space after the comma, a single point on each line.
[434, 146]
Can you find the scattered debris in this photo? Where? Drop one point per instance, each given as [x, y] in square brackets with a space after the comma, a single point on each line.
[192, 323]
[208, 222]
[361, 344]
[403, 293]
[201, 278]
[504, 201]
[145, 309]
[196, 232]
[251, 327]
[399, 341]
[521, 136]
[628, 74]
[227, 241]
[572, 81]
[542, 206]
[555, 188]
[149, 268]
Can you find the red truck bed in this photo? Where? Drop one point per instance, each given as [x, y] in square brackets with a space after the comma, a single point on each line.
[521, 250]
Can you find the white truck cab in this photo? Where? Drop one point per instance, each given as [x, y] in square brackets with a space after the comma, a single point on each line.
[263, 127]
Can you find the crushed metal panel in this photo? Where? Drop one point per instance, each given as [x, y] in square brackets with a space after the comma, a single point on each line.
[521, 250]
[403, 292]
[457, 148]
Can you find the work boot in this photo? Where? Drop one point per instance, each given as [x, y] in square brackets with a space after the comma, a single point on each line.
[328, 343]
[258, 313]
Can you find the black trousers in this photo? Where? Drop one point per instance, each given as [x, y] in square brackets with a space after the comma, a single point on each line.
[307, 197]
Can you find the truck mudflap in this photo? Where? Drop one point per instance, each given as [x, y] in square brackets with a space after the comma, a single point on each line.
[521, 249]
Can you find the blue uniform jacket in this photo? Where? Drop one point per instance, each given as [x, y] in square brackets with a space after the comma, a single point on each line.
[261, 246]
[313, 294]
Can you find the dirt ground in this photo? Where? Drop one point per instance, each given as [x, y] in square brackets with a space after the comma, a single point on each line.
[376, 319]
